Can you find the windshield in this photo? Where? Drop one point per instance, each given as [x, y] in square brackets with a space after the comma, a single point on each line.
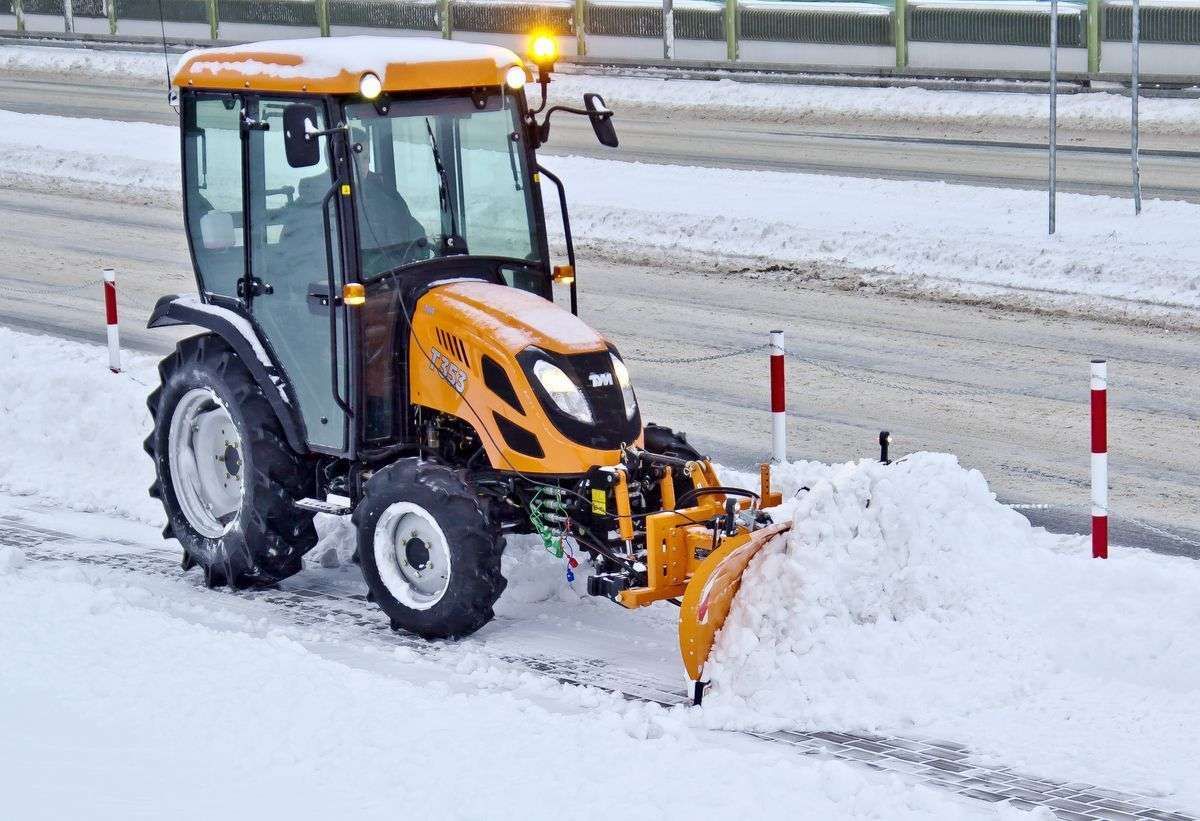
[441, 177]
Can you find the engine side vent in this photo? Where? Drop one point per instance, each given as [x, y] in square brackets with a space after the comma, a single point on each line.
[453, 345]
[497, 382]
[519, 439]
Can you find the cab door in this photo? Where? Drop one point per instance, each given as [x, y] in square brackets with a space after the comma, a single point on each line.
[293, 299]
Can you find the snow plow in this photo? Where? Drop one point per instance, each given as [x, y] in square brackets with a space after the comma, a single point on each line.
[381, 341]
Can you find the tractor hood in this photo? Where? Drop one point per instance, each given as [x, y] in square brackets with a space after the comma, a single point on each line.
[514, 318]
[484, 344]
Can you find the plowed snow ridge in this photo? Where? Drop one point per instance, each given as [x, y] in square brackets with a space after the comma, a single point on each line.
[906, 596]
[927, 236]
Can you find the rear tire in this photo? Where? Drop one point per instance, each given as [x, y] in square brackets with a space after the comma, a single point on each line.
[428, 550]
[238, 520]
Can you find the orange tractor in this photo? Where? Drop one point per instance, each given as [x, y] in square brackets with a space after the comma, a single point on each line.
[366, 221]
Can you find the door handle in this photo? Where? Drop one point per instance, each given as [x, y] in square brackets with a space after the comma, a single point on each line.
[319, 292]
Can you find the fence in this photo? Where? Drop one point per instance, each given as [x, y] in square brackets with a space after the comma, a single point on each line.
[912, 36]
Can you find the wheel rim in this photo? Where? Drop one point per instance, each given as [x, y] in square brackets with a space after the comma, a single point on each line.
[412, 556]
[207, 468]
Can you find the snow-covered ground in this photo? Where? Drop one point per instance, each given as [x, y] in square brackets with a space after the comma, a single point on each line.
[731, 99]
[125, 696]
[126, 700]
[926, 237]
[906, 601]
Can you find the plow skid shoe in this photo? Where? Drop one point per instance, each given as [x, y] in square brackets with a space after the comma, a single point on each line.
[709, 595]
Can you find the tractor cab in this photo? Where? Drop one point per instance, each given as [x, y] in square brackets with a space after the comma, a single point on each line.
[407, 162]
[367, 225]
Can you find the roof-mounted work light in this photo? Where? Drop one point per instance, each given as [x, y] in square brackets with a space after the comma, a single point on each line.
[543, 51]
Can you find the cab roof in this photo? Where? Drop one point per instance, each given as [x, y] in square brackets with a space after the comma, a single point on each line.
[335, 65]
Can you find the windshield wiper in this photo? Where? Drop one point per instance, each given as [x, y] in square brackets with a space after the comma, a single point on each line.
[452, 244]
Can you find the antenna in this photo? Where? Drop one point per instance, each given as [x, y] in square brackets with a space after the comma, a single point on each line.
[162, 25]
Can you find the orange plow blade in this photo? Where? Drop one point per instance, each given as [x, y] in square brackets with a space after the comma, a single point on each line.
[710, 593]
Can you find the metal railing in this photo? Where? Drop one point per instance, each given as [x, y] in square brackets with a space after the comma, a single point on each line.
[1084, 24]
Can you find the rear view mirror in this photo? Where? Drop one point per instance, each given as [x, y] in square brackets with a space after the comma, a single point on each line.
[302, 148]
[601, 116]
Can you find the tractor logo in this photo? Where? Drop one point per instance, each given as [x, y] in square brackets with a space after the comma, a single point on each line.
[601, 380]
[453, 374]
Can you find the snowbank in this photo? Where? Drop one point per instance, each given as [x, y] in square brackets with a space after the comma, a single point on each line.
[944, 239]
[907, 600]
[775, 102]
[723, 99]
[129, 160]
[126, 66]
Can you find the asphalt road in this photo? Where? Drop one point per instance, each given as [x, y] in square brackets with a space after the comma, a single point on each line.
[1005, 391]
[1091, 163]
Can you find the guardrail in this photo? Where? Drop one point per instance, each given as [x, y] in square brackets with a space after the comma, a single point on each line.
[778, 32]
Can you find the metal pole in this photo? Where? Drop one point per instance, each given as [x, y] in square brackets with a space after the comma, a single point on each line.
[1094, 10]
[109, 277]
[214, 19]
[323, 17]
[900, 32]
[68, 16]
[111, 9]
[444, 10]
[581, 27]
[1053, 111]
[1099, 459]
[668, 29]
[778, 400]
[18, 7]
[1135, 39]
[731, 30]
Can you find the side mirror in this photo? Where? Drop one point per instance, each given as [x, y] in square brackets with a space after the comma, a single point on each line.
[302, 149]
[601, 116]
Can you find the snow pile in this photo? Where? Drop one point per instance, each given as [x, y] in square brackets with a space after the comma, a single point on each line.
[73, 430]
[906, 599]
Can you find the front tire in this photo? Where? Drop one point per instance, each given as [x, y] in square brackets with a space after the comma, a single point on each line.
[666, 442]
[225, 474]
[428, 550]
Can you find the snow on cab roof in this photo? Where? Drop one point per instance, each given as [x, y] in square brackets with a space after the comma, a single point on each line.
[334, 65]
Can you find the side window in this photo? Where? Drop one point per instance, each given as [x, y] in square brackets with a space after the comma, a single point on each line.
[213, 191]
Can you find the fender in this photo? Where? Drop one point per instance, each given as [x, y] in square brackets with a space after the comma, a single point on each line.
[237, 330]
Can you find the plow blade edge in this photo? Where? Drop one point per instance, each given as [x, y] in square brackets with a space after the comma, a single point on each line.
[710, 593]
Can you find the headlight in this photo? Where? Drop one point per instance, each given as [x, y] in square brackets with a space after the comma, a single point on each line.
[626, 386]
[563, 391]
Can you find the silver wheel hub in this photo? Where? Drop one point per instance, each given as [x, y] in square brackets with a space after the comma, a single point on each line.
[205, 456]
[412, 555]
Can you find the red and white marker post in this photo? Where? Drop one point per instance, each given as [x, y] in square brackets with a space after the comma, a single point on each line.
[1099, 459]
[778, 403]
[110, 318]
